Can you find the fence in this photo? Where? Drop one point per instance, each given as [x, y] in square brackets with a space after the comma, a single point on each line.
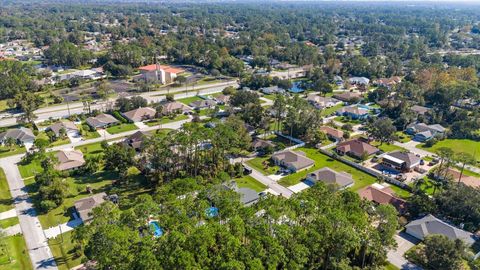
[298, 142]
[367, 170]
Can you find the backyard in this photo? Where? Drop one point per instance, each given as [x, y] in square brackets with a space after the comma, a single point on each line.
[121, 128]
[457, 145]
[264, 165]
[87, 133]
[329, 111]
[63, 250]
[361, 179]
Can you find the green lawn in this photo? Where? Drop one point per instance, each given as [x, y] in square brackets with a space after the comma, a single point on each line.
[121, 128]
[14, 150]
[361, 179]
[6, 202]
[18, 253]
[390, 266]
[249, 182]
[5, 223]
[43, 135]
[91, 149]
[331, 110]
[189, 100]
[30, 169]
[87, 134]
[347, 120]
[387, 147]
[402, 137]
[457, 145]
[264, 165]
[400, 192]
[77, 190]
[63, 250]
[166, 120]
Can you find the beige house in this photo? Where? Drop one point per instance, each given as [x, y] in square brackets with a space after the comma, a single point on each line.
[69, 160]
[294, 161]
[140, 114]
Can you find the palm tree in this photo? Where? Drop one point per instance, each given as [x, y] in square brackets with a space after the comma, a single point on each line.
[465, 159]
[446, 155]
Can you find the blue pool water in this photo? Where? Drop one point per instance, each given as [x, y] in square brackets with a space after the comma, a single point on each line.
[296, 88]
[155, 228]
[212, 212]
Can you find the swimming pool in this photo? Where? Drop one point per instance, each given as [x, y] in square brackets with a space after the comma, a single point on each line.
[212, 212]
[296, 87]
[155, 228]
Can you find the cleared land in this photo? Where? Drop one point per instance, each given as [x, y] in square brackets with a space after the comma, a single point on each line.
[457, 145]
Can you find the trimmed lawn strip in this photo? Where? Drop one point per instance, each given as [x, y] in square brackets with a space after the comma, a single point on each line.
[400, 192]
[5, 223]
[17, 250]
[361, 179]
[121, 128]
[166, 120]
[457, 145]
[63, 250]
[6, 151]
[249, 182]
[6, 202]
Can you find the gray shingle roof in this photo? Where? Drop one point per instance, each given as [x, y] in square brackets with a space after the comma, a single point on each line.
[429, 225]
[21, 134]
[329, 176]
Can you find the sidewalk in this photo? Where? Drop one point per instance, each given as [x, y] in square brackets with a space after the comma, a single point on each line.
[62, 228]
[8, 214]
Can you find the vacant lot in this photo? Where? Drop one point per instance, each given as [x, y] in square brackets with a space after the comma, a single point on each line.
[467, 146]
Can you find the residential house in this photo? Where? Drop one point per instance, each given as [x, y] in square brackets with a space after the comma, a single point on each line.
[420, 110]
[388, 82]
[69, 160]
[332, 133]
[294, 161]
[140, 114]
[401, 161]
[429, 225]
[260, 145]
[380, 194]
[320, 102]
[356, 148]
[359, 81]
[423, 132]
[174, 107]
[354, 112]
[137, 139]
[85, 206]
[350, 97]
[331, 177]
[160, 73]
[272, 90]
[68, 126]
[203, 104]
[22, 136]
[102, 121]
[222, 99]
[248, 196]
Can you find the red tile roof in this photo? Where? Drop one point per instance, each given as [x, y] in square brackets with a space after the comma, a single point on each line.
[163, 67]
[382, 195]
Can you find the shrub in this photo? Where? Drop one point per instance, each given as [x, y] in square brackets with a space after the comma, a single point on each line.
[119, 117]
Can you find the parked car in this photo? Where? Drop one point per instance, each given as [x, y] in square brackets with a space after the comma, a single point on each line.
[246, 170]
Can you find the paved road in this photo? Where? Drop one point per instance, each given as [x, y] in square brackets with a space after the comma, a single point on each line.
[64, 110]
[8, 214]
[38, 249]
[285, 192]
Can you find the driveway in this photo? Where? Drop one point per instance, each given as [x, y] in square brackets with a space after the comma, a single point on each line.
[404, 243]
[270, 183]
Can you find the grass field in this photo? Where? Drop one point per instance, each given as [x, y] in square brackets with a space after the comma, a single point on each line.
[249, 182]
[121, 128]
[331, 110]
[361, 179]
[387, 147]
[87, 134]
[189, 100]
[63, 250]
[166, 120]
[258, 164]
[402, 137]
[5, 223]
[30, 169]
[457, 145]
[15, 150]
[6, 202]
[17, 250]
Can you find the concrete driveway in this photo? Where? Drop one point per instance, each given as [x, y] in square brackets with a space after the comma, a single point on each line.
[396, 256]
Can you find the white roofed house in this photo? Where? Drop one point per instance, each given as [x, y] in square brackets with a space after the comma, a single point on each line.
[320, 102]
